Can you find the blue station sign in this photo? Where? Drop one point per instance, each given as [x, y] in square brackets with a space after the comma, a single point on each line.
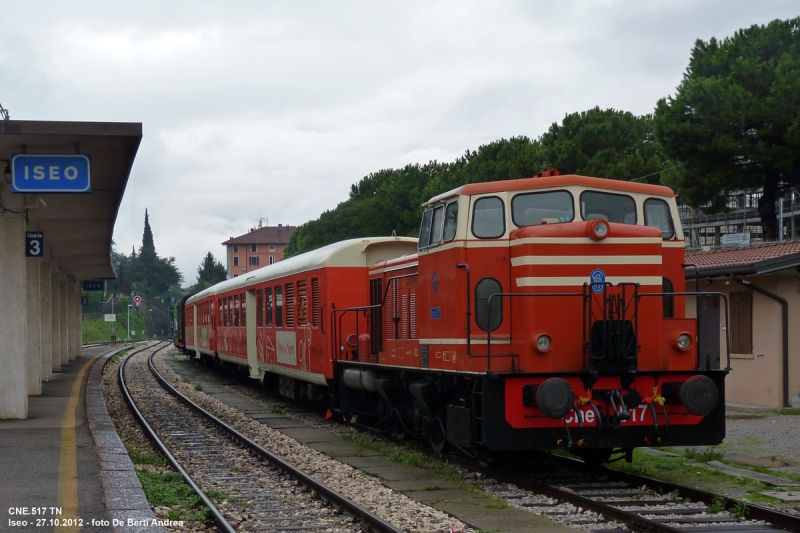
[37, 173]
[93, 285]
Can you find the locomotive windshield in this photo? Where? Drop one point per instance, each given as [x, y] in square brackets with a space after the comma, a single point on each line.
[612, 207]
[489, 221]
[532, 209]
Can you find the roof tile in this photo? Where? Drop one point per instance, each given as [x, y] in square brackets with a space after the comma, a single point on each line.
[750, 255]
[265, 235]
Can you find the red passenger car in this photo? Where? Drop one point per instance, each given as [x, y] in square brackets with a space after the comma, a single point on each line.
[535, 314]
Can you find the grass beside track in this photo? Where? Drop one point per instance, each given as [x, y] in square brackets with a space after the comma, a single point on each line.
[689, 469]
[162, 486]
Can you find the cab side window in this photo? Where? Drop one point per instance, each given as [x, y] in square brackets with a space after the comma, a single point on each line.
[430, 232]
[657, 215]
[489, 220]
[450, 221]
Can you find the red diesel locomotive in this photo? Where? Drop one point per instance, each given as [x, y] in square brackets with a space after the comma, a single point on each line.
[531, 314]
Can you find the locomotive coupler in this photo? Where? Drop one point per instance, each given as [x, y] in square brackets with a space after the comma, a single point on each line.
[614, 399]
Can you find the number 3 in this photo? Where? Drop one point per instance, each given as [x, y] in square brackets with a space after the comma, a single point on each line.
[35, 247]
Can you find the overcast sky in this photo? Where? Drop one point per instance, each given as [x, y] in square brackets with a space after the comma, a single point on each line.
[272, 109]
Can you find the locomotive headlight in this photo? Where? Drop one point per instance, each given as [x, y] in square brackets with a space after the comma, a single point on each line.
[684, 341]
[541, 342]
[598, 229]
[681, 340]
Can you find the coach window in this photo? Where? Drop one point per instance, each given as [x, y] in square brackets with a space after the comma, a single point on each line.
[430, 233]
[489, 220]
[278, 306]
[269, 307]
[219, 312]
[612, 207]
[488, 319]
[657, 215]
[450, 222]
[552, 207]
[236, 310]
[244, 311]
[259, 308]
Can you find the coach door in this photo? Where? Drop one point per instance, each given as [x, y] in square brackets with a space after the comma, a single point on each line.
[195, 338]
[250, 330]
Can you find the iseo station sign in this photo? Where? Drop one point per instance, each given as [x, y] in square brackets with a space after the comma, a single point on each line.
[37, 173]
[40, 173]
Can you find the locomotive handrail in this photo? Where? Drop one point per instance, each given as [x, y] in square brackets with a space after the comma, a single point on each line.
[511, 295]
[337, 332]
[696, 289]
[469, 308]
[695, 294]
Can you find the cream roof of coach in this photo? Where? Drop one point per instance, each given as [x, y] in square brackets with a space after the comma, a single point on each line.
[350, 253]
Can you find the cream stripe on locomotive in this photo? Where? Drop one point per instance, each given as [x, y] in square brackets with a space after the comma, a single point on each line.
[586, 240]
[580, 280]
[674, 244]
[586, 260]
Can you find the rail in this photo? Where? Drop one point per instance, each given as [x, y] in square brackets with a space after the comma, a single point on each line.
[223, 524]
[336, 500]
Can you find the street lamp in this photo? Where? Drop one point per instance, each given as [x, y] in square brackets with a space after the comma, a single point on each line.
[129, 323]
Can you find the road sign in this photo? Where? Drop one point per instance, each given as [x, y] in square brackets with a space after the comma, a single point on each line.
[110, 317]
[37, 173]
[34, 244]
[137, 299]
[93, 285]
[84, 300]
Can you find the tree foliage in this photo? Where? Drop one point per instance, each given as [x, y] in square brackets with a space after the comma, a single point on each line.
[146, 272]
[391, 200]
[734, 122]
[209, 273]
[605, 143]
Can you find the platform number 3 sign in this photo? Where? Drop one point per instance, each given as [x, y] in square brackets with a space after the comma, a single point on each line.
[34, 244]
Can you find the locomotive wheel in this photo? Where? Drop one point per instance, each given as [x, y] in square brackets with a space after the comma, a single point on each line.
[490, 459]
[595, 457]
[397, 431]
[437, 439]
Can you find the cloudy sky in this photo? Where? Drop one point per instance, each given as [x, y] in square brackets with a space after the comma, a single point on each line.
[272, 109]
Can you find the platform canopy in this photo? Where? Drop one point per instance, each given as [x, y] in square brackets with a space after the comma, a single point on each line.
[77, 228]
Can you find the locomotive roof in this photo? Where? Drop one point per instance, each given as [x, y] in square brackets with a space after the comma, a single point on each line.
[349, 253]
[554, 181]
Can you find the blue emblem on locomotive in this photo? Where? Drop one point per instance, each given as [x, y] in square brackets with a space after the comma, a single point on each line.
[598, 279]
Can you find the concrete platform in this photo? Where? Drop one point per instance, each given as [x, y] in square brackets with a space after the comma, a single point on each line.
[66, 462]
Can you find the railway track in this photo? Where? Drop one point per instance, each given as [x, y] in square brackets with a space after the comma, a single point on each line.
[600, 499]
[245, 487]
[607, 500]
